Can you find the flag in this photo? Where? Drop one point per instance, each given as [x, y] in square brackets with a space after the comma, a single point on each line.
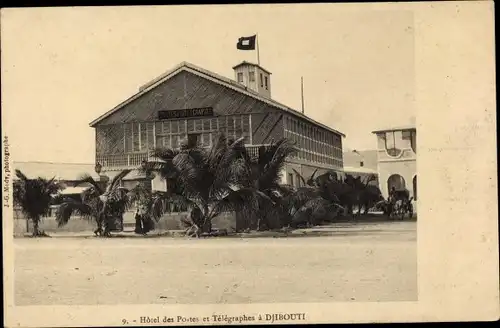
[246, 43]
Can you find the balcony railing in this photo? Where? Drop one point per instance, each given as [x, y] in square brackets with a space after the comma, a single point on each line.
[134, 160]
[122, 160]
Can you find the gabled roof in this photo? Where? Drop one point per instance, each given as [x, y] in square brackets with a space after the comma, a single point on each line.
[399, 128]
[252, 64]
[188, 67]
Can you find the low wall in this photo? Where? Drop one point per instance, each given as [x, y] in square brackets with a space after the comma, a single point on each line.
[76, 224]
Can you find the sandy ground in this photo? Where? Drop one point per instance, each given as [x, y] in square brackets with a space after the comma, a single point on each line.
[350, 262]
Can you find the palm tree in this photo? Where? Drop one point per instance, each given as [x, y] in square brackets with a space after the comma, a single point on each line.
[262, 172]
[370, 194]
[99, 202]
[150, 204]
[34, 196]
[355, 191]
[316, 196]
[204, 180]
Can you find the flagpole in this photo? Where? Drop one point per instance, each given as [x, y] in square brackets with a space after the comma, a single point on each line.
[258, 52]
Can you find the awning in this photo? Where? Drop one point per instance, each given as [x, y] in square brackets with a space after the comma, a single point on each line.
[135, 175]
[73, 190]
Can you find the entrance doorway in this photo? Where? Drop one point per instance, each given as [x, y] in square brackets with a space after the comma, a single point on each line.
[396, 181]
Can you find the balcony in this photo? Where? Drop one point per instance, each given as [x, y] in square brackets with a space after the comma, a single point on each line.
[134, 160]
[122, 161]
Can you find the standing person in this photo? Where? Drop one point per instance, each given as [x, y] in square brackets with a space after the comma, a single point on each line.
[392, 195]
[138, 222]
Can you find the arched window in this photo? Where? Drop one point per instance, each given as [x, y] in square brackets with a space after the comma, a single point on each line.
[396, 181]
[415, 187]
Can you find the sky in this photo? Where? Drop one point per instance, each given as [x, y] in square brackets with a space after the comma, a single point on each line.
[64, 67]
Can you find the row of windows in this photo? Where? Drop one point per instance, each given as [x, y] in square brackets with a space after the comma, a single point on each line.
[318, 158]
[314, 146]
[251, 78]
[141, 136]
[309, 131]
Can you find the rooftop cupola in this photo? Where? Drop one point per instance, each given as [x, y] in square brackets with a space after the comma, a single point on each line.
[254, 77]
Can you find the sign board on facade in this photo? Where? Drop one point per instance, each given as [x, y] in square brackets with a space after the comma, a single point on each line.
[185, 113]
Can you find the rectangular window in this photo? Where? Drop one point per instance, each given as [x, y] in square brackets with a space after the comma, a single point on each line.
[198, 126]
[175, 142]
[414, 141]
[128, 138]
[151, 136]
[135, 137]
[167, 142]
[237, 125]
[251, 76]
[222, 125]
[261, 80]
[265, 80]
[144, 136]
[230, 127]
[246, 124]
[190, 125]
[290, 179]
[390, 140]
[175, 126]
[166, 128]
[213, 124]
[240, 77]
[206, 125]
[182, 126]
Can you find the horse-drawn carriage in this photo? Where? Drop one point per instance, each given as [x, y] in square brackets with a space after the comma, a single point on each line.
[398, 205]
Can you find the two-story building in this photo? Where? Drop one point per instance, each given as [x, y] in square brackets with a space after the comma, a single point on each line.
[191, 104]
[397, 159]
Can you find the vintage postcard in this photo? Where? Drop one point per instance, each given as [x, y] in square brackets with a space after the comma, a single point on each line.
[249, 164]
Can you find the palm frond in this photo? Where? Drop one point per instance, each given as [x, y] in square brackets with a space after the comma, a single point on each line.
[304, 183]
[114, 183]
[312, 181]
[71, 207]
[272, 161]
[20, 175]
[235, 200]
[161, 162]
[87, 178]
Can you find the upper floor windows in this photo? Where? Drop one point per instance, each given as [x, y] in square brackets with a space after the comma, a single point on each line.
[240, 77]
[413, 141]
[394, 142]
[391, 143]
